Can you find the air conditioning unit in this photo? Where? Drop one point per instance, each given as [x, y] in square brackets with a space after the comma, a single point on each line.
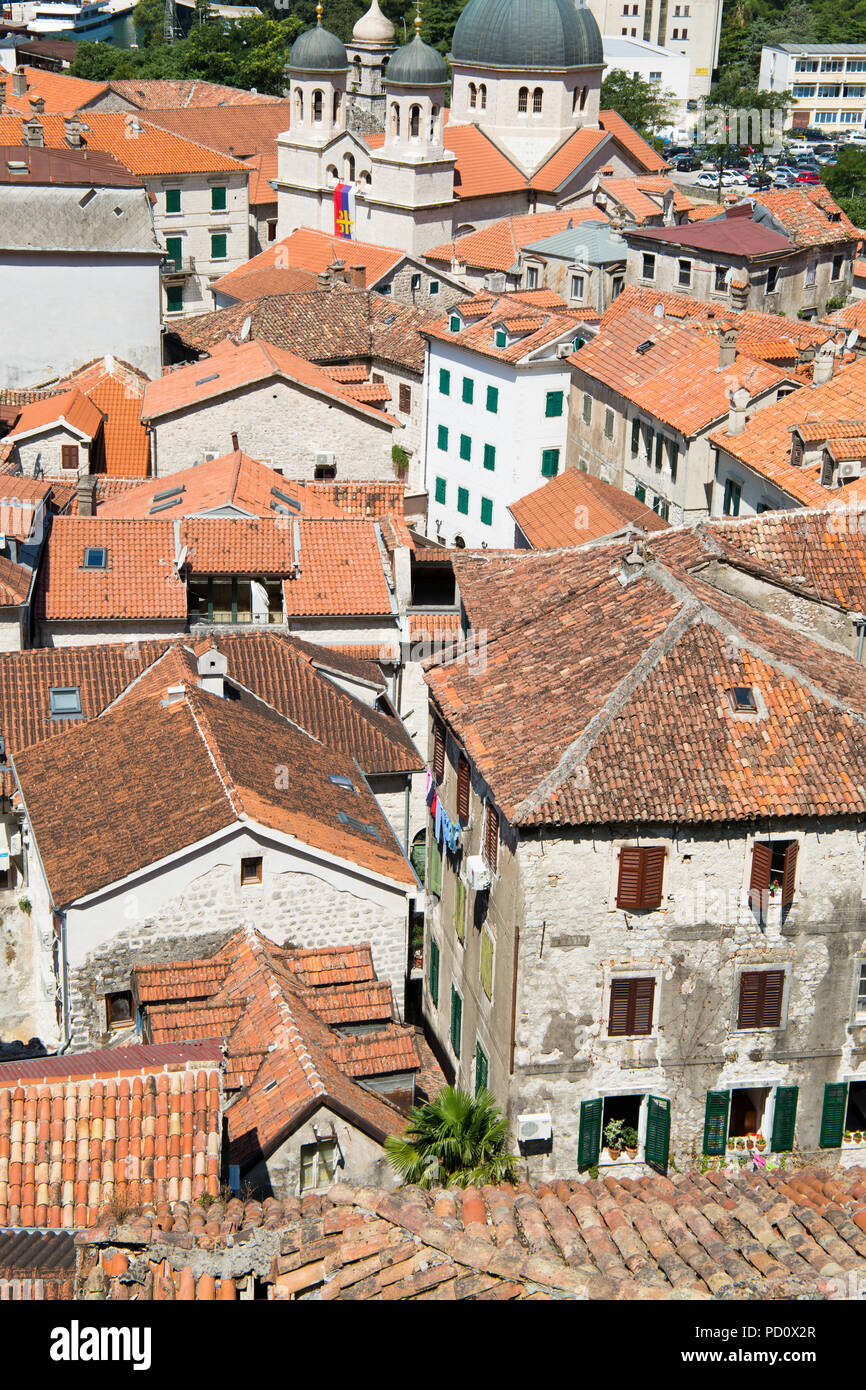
[851, 469]
[15, 842]
[210, 455]
[532, 1129]
[477, 873]
[495, 282]
[324, 460]
[564, 350]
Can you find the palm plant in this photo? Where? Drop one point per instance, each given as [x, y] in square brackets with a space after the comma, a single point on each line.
[455, 1139]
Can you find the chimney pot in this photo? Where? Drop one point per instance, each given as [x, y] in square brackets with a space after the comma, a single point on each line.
[235, 445]
[739, 400]
[727, 348]
[85, 492]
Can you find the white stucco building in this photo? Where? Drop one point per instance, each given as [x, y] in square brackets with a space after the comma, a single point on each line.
[828, 82]
[688, 30]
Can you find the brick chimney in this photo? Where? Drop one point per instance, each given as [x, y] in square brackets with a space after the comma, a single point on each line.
[37, 106]
[73, 128]
[358, 276]
[19, 82]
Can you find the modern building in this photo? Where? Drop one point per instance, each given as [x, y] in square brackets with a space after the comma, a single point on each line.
[690, 31]
[667, 69]
[828, 83]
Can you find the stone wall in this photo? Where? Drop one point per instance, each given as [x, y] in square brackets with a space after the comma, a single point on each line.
[364, 1160]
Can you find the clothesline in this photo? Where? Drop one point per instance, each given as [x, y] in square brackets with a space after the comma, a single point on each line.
[445, 830]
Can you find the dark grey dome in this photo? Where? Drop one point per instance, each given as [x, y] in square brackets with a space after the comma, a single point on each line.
[318, 50]
[544, 34]
[416, 64]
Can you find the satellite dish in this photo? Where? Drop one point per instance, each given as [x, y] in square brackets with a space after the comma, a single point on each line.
[851, 340]
[245, 328]
[659, 310]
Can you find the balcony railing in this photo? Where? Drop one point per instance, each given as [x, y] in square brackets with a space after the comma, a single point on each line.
[176, 266]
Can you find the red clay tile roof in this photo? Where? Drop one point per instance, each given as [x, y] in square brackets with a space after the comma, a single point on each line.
[786, 1235]
[643, 197]
[314, 252]
[235, 480]
[145, 149]
[21, 501]
[666, 647]
[264, 169]
[245, 131]
[767, 337]
[561, 165]
[117, 389]
[497, 247]
[233, 366]
[139, 580]
[628, 137]
[58, 90]
[765, 444]
[182, 94]
[810, 216]
[69, 1150]
[485, 313]
[70, 408]
[221, 769]
[15, 582]
[677, 379]
[242, 288]
[130, 1059]
[575, 507]
[852, 316]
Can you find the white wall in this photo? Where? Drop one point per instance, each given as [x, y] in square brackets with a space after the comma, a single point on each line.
[194, 224]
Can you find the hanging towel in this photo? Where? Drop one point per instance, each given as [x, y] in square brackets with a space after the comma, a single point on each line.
[438, 827]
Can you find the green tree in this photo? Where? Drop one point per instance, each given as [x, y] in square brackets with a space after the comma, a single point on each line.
[846, 179]
[641, 103]
[148, 17]
[453, 1140]
[731, 100]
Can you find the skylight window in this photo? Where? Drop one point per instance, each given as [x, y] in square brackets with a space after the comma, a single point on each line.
[95, 557]
[342, 782]
[743, 699]
[366, 826]
[164, 506]
[169, 492]
[202, 381]
[64, 702]
[645, 346]
[284, 497]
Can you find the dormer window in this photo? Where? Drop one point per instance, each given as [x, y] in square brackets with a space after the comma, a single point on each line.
[64, 702]
[95, 557]
[454, 323]
[796, 450]
[743, 700]
[501, 338]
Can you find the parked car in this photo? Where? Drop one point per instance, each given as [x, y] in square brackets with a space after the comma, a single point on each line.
[807, 177]
[684, 163]
[711, 180]
[785, 179]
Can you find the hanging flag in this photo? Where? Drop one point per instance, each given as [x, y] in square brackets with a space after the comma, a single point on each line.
[344, 210]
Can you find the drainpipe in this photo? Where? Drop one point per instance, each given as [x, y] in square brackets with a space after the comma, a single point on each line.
[406, 814]
[859, 621]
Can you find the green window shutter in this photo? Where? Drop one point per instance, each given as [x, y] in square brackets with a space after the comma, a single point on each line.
[673, 455]
[490, 456]
[444, 382]
[784, 1116]
[434, 973]
[553, 403]
[589, 1136]
[587, 409]
[549, 463]
[173, 299]
[218, 200]
[441, 488]
[487, 964]
[716, 1122]
[833, 1115]
[442, 437]
[454, 323]
[500, 338]
[468, 389]
[172, 200]
[463, 501]
[218, 246]
[660, 440]
[456, 1021]
[460, 909]
[434, 876]
[635, 435]
[487, 511]
[481, 1068]
[658, 1133]
[649, 437]
[465, 447]
[640, 492]
[418, 859]
[493, 399]
[174, 247]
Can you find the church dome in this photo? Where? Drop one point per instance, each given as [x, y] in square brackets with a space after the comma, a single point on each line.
[373, 27]
[416, 64]
[318, 50]
[542, 34]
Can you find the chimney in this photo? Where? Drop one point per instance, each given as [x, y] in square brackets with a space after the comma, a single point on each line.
[323, 280]
[823, 368]
[358, 277]
[85, 493]
[212, 668]
[73, 128]
[668, 215]
[19, 82]
[235, 445]
[337, 271]
[37, 105]
[32, 133]
[739, 400]
[727, 348]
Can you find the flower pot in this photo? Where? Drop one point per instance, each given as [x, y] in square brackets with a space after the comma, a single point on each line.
[614, 1153]
[632, 1153]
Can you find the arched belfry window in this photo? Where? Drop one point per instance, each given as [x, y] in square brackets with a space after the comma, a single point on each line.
[318, 103]
[395, 120]
[537, 99]
[482, 94]
[473, 95]
[414, 122]
[523, 99]
[299, 104]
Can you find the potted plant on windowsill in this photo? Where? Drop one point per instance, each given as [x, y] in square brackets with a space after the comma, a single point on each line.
[775, 889]
[614, 1138]
[629, 1141]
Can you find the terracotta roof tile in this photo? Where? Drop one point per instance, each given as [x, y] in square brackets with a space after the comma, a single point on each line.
[573, 152]
[643, 197]
[175, 93]
[485, 313]
[575, 507]
[313, 251]
[852, 316]
[766, 337]
[235, 480]
[70, 407]
[145, 149]
[497, 247]
[58, 90]
[810, 216]
[628, 137]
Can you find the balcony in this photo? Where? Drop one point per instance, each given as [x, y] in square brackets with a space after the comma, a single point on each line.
[177, 267]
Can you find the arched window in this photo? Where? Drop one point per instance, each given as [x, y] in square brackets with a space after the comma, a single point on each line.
[414, 122]
[356, 63]
[537, 98]
[332, 173]
[348, 168]
[575, 98]
[523, 99]
[473, 94]
[336, 106]
[299, 104]
[364, 178]
[434, 122]
[482, 92]
[395, 120]
[317, 105]
[583, 95]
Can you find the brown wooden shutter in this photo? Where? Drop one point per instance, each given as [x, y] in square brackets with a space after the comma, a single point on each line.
[653, 876]
[643, 994]
[438, 752]
[629, 885]
[462, 789]
[621, 1010]
[69, 456]
[759, 882]
[770, 1012]
[491, 837]
[789, 874]
[750, 996]
[405, 399]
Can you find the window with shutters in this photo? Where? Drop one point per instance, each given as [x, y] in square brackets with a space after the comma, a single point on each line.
[860, 992]
[438, 751]
[482, 1068]
[553, 403]
[463, 499]
[486, 966]
[460, 909]
[456, 1021]
[434, 869]
[442, 437]
[405, 399]
[318, 1163]
[490, 457]
[631, 1007]
[433, 973]
[441, 490]
[491, 837]
[493, 399]
[444, 382]
[640, 878]
[468, 389]
[748, 1111]
[69, 456]
[635, 436]
[855, 1113]
[463, 780]
[587, 409]
[760, 1003]
[773, 875]
[487, 511]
